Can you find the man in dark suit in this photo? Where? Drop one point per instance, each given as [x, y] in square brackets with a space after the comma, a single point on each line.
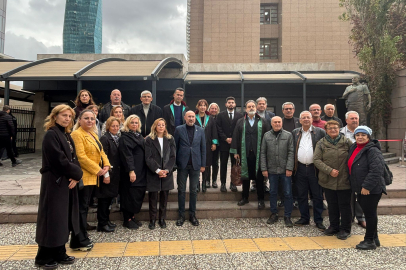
[191, 161]
[226, 122]
[174, 112]
[147, 112]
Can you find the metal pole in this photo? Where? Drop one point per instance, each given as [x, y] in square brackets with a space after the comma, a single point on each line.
[7, 93]
[154, 92]
[242, 96]
[79, 86]
[304, 96]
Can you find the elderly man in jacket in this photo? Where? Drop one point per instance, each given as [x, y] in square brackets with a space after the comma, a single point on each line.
[115, 100]
[305, 139]
[277, 161]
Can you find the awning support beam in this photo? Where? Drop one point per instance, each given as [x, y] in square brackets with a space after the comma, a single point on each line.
[79, 86]
[7, 93]
[154, 91]
[304, 96]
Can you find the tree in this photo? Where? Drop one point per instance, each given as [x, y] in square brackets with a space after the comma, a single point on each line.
[378, 36]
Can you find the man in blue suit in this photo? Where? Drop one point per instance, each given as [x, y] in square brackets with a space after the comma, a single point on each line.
[191, 161]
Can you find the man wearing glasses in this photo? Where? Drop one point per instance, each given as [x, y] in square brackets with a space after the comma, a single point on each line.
[315, 110]
[289, 121]
[147, 112]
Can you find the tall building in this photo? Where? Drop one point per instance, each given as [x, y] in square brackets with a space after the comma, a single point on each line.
[82, 31]
[3, 5]
[268, 31]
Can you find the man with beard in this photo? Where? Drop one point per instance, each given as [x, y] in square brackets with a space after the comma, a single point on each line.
[174, 112]
[246, 144]
[226, 122]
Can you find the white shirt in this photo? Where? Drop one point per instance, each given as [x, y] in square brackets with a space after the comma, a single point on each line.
[251, 121]
[161, 143]
[232, 114]
[348, 133]
[180, 104]
[305, 151]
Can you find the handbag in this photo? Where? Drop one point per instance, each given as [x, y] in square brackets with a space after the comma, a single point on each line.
[236, 173]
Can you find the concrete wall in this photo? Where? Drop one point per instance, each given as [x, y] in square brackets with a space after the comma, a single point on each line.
[397, 128]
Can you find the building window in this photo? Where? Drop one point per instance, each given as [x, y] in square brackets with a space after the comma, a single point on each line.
[268, 48]
[269, 14]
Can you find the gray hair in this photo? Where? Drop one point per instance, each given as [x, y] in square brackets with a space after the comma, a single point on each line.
[329, 104]
[350, 112]
[288, 103]
[146, 92]
[250, 101]
[262, 98]
[313, 105]
[214, 104]
[300, 116]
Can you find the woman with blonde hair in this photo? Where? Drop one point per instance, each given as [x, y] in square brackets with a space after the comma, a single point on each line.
[133, 176]
[116, 112]
[214, 110]
[58, 208]
[160, 156]
[94, 163]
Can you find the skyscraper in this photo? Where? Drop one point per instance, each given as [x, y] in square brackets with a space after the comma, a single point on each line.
[3, 5]
[82, 31]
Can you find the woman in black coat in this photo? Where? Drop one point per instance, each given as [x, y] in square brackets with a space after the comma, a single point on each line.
[58, 209]
[133, 177]
[108, 186]
[160, 155]
[366, 167]
[207, 122]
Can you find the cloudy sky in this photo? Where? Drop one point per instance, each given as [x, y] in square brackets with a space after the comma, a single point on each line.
[129, 26]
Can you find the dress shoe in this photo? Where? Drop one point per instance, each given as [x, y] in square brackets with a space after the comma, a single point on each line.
[362, 224]
[214, 185]
[194, 220]
[342, 235]
[288, 222]
[162, 223]
[320, 226]
[233, 188]
[302, 222]
[242, 202]
[51, 265]
[223, 188]
[151, 225]
[330, 231]
[273, 218]
[208, 184]
[266, 189]
[18, 161]
[139, 224]
[105, 228]
[80, 247]
[130, 225]
[366, 245]
[377, 242]
[90, 227]
[111, 224]
[180, 221]
[253, 189]
[261, 205]
[67, 260]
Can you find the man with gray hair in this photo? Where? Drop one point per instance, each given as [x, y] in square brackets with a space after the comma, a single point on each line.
[289, 121]
[115, 100]
[329, 110]
[147, 112]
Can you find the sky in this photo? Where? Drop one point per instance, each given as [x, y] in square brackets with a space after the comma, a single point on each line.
[129, 26]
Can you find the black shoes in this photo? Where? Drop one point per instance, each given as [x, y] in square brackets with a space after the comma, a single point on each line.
[233, 188]
[342, 235]
[223, 187]
[194, 220]
[18, 161]
[105, 228]
[242, 202]
[331, 231]
[111, 225]
[377, 242]
[214, 185]
[51, 265]
[130, 225]
[82, 247]
[139, 224]
[302, 222]
[151, 225]
[320, 226]
[67, 260]
[288, 222]
[162, 223]
[90, 227]
[180, 221]
[261, 205]
[366, 245]
[272, 219]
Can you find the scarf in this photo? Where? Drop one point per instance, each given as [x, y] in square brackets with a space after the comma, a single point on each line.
[244, 166]
[333, 141]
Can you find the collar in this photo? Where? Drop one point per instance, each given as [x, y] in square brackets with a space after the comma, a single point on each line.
[228, 112]
[174, 104]
[310, 129]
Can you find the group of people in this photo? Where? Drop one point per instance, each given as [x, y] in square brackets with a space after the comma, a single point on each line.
[123, 151]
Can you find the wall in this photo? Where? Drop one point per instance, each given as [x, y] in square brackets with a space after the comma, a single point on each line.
[41, 108]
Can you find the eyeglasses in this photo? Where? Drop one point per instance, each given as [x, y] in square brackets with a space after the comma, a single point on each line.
[333, 128]
[288, 109]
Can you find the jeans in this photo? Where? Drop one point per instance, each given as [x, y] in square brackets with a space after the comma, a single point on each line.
[369, 204]
[193, 182]
[306, 181]
[339, 205]
[287, 192]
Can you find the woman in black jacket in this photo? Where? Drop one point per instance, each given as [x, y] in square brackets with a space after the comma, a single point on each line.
[133, 177]
[108, 186]
[366, 167]
[160, 155]
[58, 209]
[83, 99]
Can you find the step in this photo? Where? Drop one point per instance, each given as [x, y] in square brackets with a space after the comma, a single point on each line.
[205, 209]
[392, 160]
[388, 155]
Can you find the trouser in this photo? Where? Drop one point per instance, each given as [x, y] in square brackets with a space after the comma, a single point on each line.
[14, 145]
[274, 182]
[215, 164]
[281, 191]
[369, 204]
[206, 176]
[5, 141]
[153, 201]
[193, 182]
[356, 208]
[103, 211]
[84, 199]
[253, 175]
[294, 188]
[306, 181]
[223, 164]
[47, 255]
[339, 205]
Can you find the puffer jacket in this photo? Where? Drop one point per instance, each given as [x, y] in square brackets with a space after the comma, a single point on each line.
[328, 157]
[6, 125]
[367, 169]
[277, 154]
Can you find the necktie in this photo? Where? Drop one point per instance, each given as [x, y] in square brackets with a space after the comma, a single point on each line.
[231, 116]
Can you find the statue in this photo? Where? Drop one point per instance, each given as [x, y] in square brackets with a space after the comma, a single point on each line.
[358, 99]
